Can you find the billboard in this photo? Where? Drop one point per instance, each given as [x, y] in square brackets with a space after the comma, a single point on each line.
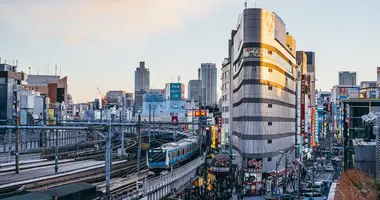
[219, 129]
[279, 30]
[175, 91]
[252, 182]
[303, 93]
[213, 137]
[312, 128]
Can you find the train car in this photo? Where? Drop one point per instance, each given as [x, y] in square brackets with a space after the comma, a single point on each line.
[172, 154]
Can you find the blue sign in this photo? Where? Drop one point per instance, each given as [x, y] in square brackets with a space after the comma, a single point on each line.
[175, 91]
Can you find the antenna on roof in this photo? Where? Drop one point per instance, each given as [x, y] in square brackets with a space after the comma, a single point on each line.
[245, 4]
[55, 73]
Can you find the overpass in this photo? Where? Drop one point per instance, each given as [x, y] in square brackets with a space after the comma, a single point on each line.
[163, 185]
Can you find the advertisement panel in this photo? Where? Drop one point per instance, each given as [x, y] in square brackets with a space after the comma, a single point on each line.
[175, 91]
[213, 137]
[303, 93]
[342, 92]
[299, 115]
[253, 169]
[220, 121]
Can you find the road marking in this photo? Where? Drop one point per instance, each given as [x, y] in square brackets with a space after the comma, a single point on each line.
[328, 178]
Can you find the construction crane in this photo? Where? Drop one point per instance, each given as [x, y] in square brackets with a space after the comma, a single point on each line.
[102, 103]
[103, 98]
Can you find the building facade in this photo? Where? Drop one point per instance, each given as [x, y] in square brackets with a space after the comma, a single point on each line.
[194, 90]
[142, 77]
[10, 93]
[115, 98]
[208, 76]
[142, 83]
[263, 91]
[347, 78]
[225, 100]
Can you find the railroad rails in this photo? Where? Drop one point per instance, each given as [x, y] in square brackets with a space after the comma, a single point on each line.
[90, 174]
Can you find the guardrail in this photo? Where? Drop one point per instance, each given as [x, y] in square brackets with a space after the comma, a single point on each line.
[152, 185]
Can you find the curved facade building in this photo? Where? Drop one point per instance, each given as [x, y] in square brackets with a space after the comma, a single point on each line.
[263, 91]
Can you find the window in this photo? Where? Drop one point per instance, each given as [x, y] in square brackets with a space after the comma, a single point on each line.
[270, 70]
[269, 52]
[269, 123]
[269, 141]
[269, 159]
[269, 105]
[270, 87]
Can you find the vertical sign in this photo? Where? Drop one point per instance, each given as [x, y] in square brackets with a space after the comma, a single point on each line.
[213, 137]
[316, 118]
[303, 93]
[299, 135]
[312, 128]
[253, 169]
[219, 129]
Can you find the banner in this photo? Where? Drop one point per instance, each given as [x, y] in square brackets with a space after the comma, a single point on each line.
[312, 128]
[220, 129]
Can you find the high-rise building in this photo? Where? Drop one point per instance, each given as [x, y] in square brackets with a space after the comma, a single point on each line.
[263, 92]
[128, 100]
[115, 98]
[347, 78]
[142, 83]
[142, 77]
[208, 76]
[194, 90]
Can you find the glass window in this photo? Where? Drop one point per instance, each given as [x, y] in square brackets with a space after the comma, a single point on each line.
[269, 159]
[269, 123]
[269, 141]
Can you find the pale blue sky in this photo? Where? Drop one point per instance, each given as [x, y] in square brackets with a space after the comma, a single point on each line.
[100, 43]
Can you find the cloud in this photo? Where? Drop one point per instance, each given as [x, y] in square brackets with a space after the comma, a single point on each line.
[114, 22]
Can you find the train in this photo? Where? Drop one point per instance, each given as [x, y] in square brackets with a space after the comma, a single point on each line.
[172, 154]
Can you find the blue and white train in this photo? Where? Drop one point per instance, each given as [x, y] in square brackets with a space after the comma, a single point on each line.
[171, 154]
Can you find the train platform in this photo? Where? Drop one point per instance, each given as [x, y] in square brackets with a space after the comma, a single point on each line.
[28, 175]
[31, 164]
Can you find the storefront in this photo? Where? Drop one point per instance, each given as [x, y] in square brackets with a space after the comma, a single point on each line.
[253, 171]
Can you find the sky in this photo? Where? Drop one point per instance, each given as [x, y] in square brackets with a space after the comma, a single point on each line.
[99, 43]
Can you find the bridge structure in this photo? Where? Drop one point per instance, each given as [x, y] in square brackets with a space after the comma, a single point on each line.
[163, 185]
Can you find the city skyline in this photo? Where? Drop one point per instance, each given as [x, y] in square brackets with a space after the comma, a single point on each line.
[109, 52]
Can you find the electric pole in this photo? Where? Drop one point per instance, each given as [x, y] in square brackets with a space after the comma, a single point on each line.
[139, 143]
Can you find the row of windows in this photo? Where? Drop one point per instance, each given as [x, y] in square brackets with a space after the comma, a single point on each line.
[226, 74]
[181, 152]
[225, 97]
[225, 86]
[226, 109]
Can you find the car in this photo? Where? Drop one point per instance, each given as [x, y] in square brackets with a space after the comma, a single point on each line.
[329, 168]
[314, 196]
[318, 187]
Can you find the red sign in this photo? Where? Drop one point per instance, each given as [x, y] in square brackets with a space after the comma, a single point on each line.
[174, 118]
[220, 119]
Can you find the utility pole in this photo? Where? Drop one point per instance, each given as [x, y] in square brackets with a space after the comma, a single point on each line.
[122, 128]
[285, 180]
[139, 143]
[17, 157]
[56, 151]
[108, 161]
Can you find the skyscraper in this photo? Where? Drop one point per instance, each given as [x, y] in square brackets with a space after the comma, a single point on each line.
[347, 78]
[194, 90]
[263, 92]
[142, 83]
[208, 76]
[142, 77]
